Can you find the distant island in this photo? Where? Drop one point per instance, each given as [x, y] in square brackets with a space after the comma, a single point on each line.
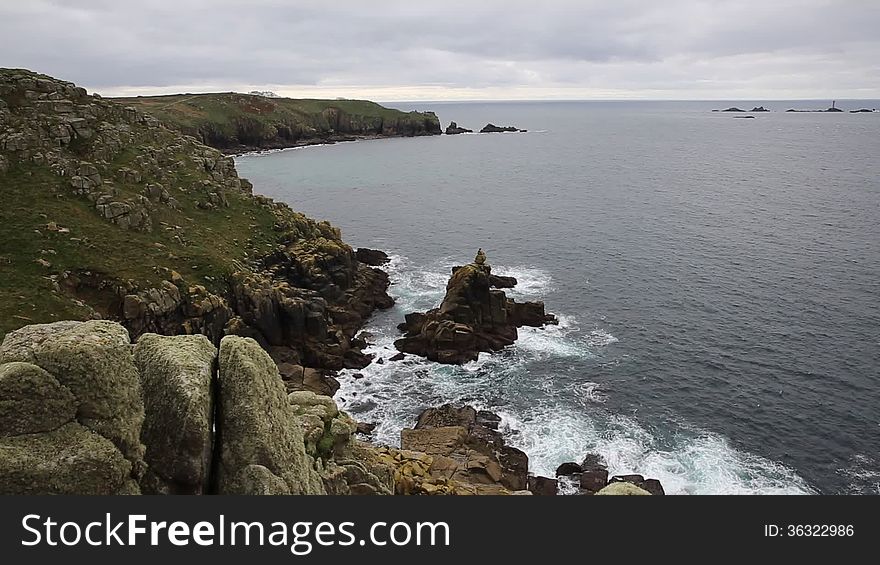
[492, 128]
[832, 109]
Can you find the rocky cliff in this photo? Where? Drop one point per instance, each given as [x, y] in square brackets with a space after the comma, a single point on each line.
[83, 410]
[244, 122]
[107, 213]
[475, 316]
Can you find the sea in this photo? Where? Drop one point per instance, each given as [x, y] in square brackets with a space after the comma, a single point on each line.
[717, 282]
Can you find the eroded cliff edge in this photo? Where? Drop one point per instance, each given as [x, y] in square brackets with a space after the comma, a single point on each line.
[107, 213]
[237, 123]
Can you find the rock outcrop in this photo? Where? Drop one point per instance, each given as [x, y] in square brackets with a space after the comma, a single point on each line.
[71, 410]
[467, 452]
[492, 128]
[473, 317]
[235, 123]
[261, 449]
[132, 221]
[177, 377]
[454, 129]
[591, 477]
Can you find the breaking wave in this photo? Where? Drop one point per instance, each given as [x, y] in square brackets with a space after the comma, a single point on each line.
[548, 407]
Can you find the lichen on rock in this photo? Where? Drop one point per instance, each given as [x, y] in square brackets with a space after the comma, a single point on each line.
[257, 426]
[177, 375]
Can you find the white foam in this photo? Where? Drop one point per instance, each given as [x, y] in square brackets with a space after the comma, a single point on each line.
[550, 417]
[863, 474]
[600, 338]
[530, 281]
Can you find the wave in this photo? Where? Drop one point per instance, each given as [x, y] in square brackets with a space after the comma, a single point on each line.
[548, 406]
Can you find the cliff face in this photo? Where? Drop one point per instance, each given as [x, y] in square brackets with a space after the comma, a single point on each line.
[240, 122]
[107, 213]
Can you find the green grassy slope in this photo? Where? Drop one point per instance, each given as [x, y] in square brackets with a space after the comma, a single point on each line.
[233, 121]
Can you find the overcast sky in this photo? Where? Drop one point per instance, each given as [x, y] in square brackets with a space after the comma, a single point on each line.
[451, 49]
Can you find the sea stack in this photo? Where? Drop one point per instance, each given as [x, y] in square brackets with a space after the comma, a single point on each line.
[454, 129]
[474, 316]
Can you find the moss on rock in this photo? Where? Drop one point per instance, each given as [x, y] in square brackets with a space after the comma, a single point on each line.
[177, 376]
[68, 460]
[93, 359]
[258, 426]
[32, 400]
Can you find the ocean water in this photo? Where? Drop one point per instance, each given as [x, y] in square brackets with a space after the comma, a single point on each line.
[717, 282]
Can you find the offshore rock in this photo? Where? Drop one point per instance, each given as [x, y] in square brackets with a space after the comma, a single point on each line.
[473, 317]
[492, 128]
[453, 129]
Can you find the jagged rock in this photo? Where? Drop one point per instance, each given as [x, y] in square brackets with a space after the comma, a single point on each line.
[472, 318]
[622, 488]
[567, 469]
[32, 400]
[543, 486]
[93, 359]
[453, 129]
[652, 486]
[366, 428]
[594, 480]
[67, 460]
[492, 128]
[497, 281]
[469, 447]
[372, 257]
[258, 426]
[177, 375]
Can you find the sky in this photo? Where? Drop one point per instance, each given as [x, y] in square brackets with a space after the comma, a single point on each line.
[395, 50]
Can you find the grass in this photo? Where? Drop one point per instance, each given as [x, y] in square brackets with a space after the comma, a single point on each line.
[211, 243]
[227, 115]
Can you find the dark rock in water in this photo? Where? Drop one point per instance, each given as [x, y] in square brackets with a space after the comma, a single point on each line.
[759, 109]
[366, 428]
[593, 461]
[398, 357]
[467, 447]
[653, 486]
[862, 111]
[357, 376]
[472, 318]
[745, 117]
[594, 480]
[497, 281]
[733, 109]
[567, 469]
[543, 486]
[453, 129]
[492, 128]
[371, 257]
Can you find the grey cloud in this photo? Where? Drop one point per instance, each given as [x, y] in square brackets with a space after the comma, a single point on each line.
[490, 47]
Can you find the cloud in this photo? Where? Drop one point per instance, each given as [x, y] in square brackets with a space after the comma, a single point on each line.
[393, 49]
